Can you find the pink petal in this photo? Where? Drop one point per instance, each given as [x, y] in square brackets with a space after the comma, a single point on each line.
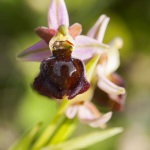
[98, 30]
[75, 30]
[88, 112]
[106, 85]
[71, 111]
[57, 14]
[113, 60]
[101, 121]
[90, 106]
[85, 114]
[45, 33]
[37, 52]
[87, 47]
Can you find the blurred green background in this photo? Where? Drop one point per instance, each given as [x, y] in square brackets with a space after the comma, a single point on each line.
[21, 108]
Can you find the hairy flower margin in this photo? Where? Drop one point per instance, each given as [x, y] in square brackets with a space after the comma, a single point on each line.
[85, 48]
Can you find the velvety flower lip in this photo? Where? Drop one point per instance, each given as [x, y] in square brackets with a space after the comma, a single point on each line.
[58, 15]
[59, 79]
[87, 113]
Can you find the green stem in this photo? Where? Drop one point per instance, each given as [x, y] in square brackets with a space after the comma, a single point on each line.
[65, 130]
[49, 131]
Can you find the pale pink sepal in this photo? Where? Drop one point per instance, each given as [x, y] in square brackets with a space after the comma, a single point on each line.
[37, 52]
[75, 30]
[106, 85]
[87, 47]
[99, 28]
[57, 14]
[87, 113]
[101, 121]
[90, 115]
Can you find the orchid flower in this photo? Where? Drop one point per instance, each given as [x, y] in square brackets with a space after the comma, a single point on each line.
[85, 47]
[60, 34]
[108, 63]
[87, 113]
[61, 75]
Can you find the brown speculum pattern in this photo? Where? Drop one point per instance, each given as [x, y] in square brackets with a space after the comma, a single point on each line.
[61, 75]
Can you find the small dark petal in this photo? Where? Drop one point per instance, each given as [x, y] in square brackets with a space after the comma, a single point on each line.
[45, 33]
[61, 77]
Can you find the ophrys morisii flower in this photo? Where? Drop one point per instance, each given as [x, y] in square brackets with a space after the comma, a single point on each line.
[61, 75]
[70, 80]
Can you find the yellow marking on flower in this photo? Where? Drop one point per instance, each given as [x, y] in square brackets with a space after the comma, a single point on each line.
[62, 36]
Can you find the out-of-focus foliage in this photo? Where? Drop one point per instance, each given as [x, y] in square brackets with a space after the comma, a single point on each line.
[20, 107]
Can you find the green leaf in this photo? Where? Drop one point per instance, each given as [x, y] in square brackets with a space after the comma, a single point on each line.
[50, 130]
[26, 140]
[91, 66]
[85, 140]
[69, 125]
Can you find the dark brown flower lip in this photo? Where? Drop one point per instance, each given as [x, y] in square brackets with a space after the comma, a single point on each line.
[61, 78]
[61, 75]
